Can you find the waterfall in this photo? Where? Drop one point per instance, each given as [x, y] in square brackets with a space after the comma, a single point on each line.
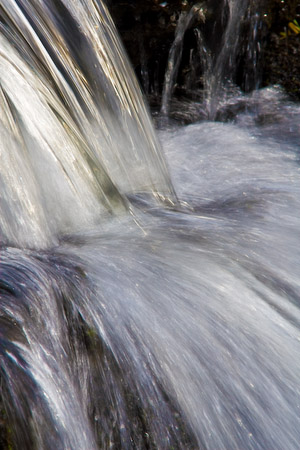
[221, 67]
[219, 42]
[175, 53]
[74, 116]
[149, 299]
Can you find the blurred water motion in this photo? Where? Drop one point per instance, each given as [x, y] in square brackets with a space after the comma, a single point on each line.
[131, 317]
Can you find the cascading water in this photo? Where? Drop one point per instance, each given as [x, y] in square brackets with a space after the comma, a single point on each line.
[128, 318]
[175, 53]
[220, 67]
[75, 122]
[218, 44]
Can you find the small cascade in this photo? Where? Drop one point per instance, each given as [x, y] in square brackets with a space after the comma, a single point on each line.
[252, 73]
[184, 22]
[220, 41]
[72, 112]
[221, 67]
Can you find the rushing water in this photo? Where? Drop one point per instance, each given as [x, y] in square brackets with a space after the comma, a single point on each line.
[185, 20]
[132, 317]
[224, 30]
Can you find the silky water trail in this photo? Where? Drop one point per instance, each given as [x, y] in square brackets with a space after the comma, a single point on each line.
[137, 313]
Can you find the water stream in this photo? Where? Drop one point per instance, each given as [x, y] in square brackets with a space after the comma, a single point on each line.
[184, 22]
[220, 35]
[148, 299]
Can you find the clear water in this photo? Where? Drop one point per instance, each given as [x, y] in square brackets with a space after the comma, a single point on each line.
[197, 12]
[220, 67]
[73, 114]
[165, 324]
[227, 31]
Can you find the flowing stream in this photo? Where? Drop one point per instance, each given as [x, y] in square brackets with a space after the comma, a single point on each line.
[149, 299]
[185, 20]
[219, 29]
